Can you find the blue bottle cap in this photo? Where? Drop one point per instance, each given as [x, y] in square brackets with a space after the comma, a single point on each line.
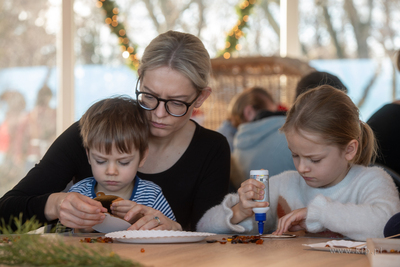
[261, 216]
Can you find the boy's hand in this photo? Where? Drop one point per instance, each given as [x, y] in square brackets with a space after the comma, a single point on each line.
[249, 190]
[121, 208]
[294, 221]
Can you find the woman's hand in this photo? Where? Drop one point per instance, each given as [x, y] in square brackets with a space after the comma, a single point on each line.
[74, 210]
[143, 217]
[249, 190]
[294, 221]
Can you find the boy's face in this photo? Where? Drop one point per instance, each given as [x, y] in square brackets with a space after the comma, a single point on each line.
[115, 173]
[319, 164]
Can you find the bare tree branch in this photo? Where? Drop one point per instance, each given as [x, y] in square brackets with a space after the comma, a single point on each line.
[361, 30]
[150, 10]
[270, 18]
[200, 23]
[369, 85]
[331, 30]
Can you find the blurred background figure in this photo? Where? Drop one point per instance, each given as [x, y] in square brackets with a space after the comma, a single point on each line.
[386, 125]
[42, 127]
[13, 130]
[244, 107]
[260, 144]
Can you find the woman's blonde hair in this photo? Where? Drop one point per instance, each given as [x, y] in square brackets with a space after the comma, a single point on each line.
[179, 51]
[254, 96]
[329, 112]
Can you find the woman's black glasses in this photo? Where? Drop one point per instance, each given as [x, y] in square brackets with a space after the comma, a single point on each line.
[149, 101]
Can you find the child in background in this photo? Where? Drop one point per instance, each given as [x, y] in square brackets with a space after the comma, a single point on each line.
[115, 133]
[244, 107]
[333, 189]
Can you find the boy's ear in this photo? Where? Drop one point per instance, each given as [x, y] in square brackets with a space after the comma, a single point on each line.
[144, 157]
[88, 155]
[205, 93]
[351, 150]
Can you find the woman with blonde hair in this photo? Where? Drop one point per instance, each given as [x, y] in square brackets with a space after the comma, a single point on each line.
[190, 163]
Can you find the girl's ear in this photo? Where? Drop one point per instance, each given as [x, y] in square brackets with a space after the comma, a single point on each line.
[144, 157]
[351, 150]
[205, 93]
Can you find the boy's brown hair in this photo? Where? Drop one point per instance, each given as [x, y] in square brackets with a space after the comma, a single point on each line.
[115, 121]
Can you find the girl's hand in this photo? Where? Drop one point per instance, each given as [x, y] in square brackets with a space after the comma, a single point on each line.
[294, 221]
[74, 210]
[249, 190]
[143, 217]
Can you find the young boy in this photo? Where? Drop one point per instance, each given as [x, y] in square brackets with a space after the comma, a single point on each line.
[114, 133]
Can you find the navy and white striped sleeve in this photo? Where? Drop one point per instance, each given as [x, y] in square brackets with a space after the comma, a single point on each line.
[150, 194]
[162, 205]
[83, 187]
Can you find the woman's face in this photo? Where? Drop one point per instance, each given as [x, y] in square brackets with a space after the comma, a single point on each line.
[168, 84]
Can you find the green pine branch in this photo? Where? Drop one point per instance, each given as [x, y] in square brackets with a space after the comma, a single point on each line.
[18, 248]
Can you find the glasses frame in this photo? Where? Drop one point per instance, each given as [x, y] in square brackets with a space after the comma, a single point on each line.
[137, 92]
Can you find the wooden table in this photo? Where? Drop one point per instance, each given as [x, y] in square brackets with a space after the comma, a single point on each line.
[274, 252]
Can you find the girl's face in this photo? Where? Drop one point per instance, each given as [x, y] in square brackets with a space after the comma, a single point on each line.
[319, 164]
[169, 84]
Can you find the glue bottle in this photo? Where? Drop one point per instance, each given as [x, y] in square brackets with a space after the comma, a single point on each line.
[260, 213]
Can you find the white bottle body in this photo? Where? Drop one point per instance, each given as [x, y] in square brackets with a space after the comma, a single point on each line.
[261, 176]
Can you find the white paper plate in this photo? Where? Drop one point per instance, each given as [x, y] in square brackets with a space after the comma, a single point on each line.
[111, 224]
[158, 236]
[344, 246]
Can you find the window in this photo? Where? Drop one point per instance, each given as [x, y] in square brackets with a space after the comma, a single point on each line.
[27, 85]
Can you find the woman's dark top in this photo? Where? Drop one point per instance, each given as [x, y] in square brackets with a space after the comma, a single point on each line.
[386, 125]
[198, 180]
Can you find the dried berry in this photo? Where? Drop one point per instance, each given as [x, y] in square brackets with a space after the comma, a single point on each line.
[97, 240]
[259, 242]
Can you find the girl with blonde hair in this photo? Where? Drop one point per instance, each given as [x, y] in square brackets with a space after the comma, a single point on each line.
[333, 187]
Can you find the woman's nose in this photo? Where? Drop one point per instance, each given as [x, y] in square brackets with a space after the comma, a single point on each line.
[161, 111]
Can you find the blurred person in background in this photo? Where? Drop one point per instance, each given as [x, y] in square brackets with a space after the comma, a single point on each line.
[244, 107]
[386, 125]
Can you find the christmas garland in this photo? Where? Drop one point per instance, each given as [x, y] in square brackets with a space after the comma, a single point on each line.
[232, 40]
[127, 47]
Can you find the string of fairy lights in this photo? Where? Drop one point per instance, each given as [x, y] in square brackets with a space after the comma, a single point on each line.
[129, 49]
[232, 40]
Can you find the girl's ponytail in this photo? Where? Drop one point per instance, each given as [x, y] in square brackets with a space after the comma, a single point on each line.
[367, 149]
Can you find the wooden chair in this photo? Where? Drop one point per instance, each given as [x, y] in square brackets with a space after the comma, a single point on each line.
[230, 76]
